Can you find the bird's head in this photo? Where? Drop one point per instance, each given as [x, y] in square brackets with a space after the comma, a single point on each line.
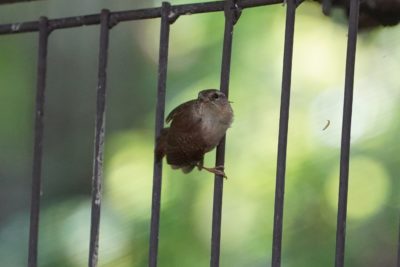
[213, 96]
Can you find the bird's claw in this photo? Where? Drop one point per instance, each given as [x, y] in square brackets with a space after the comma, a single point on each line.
[217, 170]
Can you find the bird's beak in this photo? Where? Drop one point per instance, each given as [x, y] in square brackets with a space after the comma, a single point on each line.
[230, 102]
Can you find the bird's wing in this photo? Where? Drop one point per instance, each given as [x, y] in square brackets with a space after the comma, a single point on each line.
[186, 118]
[185, 144]
[182, 108]
[184, 149]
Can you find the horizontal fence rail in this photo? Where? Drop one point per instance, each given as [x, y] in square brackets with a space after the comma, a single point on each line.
[168, 14]
[119, 16]
[14, 1]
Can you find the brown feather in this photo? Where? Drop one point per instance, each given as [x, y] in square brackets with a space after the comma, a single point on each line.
[183, 146]
[179, 110]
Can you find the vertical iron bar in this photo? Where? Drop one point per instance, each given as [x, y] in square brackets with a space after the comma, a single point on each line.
[230, 20]
[38, 142]
[346, 130]
[160, 108]
[283, 134]
[398, 248]
[99, 139]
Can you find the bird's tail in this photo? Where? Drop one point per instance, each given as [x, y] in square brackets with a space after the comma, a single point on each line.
[185, 168]
[161, 144]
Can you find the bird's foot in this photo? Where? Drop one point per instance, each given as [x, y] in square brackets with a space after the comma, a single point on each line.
[218, 170]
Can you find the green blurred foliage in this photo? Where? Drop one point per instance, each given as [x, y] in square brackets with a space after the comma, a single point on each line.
[194, 64]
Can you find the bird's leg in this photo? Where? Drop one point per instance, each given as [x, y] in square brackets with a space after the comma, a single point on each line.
[200, 164]
[218, 170]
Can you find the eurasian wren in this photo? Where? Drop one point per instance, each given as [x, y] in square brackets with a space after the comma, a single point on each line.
[197, 126]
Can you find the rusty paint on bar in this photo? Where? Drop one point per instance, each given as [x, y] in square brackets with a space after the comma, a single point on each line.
[346, 131]
[283, 134]
[160, 109]
[139, 14]
[99, 140]
[38, 143]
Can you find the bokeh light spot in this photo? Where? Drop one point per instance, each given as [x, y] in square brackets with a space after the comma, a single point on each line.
[129, 174]
[368, 187]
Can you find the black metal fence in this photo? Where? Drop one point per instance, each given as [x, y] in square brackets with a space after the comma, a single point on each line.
[168, 14]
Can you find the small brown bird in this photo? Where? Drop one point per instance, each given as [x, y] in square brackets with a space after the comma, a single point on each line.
[197, 126]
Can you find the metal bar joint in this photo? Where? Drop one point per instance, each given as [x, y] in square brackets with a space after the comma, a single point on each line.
[232, 10]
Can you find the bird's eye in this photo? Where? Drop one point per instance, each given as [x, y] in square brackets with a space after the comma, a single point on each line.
[215, 96]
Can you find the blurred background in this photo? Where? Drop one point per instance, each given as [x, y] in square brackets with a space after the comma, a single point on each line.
[194, 64]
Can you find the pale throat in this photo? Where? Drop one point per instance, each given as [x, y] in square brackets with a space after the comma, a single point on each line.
[215, 121]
